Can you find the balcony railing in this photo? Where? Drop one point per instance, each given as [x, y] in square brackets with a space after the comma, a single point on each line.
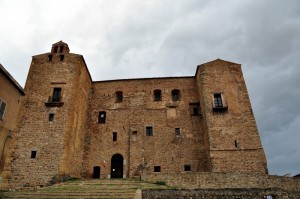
[54, 102]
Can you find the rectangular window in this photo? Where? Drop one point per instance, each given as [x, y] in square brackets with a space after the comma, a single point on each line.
[195, 108]
[2, 109]
[187, 167]
[219, 104]
[102, 117]
[157, 95]
[49, 57]
[218, 100]
[177, 131]
[51, 117]
[115, 136]
[119, 96]
[56, 95]
[149, 131]
[156, 168]
[61, 57]
[33, 154]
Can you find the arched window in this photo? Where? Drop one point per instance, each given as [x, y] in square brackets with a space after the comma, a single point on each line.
[119, 96]
[102, 117]
[157, 95]
[176, 95]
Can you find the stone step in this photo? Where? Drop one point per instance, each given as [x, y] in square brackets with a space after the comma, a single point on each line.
[100, 188]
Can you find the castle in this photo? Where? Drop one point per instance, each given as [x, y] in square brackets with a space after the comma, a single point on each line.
[70, 125]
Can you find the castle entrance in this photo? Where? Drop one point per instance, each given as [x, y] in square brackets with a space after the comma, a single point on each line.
[96, 172]
[116, 166]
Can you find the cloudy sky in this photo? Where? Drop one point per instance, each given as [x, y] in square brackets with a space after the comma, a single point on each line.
[154, 38]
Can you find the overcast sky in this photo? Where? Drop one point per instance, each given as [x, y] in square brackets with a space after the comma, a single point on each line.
[133, 38]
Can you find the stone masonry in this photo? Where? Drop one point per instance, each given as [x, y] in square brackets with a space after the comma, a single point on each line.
[70, 125]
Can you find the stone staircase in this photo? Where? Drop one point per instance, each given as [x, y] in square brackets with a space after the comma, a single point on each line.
[98, 188]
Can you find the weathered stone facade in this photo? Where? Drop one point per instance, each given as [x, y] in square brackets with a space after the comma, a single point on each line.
[10, 93]
[70, 125]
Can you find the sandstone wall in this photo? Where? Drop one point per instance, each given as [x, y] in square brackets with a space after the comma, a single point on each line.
[130, 118]
[217, 180]
[234, 142]
[58, 143]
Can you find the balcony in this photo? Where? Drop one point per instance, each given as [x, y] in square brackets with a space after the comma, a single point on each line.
[54, 102]
[222, 108]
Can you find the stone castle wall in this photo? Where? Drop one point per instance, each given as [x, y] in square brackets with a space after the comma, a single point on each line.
[234, 142]
[130, 118]
[221, 180]
[188, 132]
[58, 144]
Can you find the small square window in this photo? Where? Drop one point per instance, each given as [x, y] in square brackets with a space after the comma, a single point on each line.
[177, 131]
[102, 117]
[149, 131]
[33, 154]
[187, 167]
[156, 168]
[61, 57]
[175, 95]
[51, 117]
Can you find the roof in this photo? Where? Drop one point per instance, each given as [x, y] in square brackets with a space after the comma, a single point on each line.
[12, 80]
[60, 42]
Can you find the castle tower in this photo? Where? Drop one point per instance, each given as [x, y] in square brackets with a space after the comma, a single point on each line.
[234, 142]
[48, 142]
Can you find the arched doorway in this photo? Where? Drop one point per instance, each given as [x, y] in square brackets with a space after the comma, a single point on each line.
[116, 166]
[96, 172]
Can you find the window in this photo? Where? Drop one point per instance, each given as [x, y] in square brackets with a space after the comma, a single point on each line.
[195, 108]
[61, 49]
[236, 144]
[218, 100]
[156, 168]
[157, 95]
[51, 117]
[49, 57]
[187, 167]
[115, 136]
[102, 117]
[177, 131]
[56, 95]
[149, 131]
[2, 109]
[119, 96]
[218, 103]
[175, 95]
[61, 57]
[195, 111]
[55, 49]
[33, 154]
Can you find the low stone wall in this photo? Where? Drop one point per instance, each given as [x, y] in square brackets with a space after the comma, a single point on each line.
[206, 180]
[253, 193]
